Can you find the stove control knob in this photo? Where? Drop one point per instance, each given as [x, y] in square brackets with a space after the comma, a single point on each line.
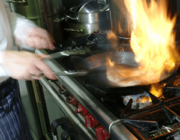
[64, 91]
[72, 100]
[81, 109]
[102, 134]
[90, 121]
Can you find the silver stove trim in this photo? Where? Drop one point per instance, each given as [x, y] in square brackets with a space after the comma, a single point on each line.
[68, 110]
[112, 124]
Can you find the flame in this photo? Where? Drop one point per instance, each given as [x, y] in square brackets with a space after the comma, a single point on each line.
[114, 40]
[177, 81]
[152, 41]
[144, 99]
[157, 90]
[111, 64]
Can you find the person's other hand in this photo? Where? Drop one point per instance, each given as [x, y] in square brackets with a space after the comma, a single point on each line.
[26, 65]
[40, 39]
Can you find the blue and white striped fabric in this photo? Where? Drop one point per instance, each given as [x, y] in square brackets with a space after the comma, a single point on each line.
[13, 121]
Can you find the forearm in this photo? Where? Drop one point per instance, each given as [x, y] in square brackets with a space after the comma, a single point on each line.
[20, 28]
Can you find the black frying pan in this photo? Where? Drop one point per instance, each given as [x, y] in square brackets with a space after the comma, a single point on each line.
[126, 65]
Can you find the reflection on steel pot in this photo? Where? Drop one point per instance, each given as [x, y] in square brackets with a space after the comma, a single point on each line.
[87, 18]
[77, 29]
[121, 20]
[90, 12]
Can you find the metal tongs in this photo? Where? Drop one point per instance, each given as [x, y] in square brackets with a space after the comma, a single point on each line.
[67, 53]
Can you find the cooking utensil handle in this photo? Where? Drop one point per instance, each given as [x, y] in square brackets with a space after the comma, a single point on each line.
[58, 55]
[74, 30]
[71, 73]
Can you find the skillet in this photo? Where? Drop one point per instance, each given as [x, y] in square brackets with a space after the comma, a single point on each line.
[124, 62]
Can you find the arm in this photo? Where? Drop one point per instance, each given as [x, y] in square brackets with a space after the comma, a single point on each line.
[26, 65]
[20, 27]
[26, 33]
[20, 65]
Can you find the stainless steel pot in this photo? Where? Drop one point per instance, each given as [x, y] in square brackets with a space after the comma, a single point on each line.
[89, 12]
[77, 29]
[121, 20]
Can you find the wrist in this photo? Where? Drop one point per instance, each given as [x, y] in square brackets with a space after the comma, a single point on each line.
[3, 70]
[2, 54]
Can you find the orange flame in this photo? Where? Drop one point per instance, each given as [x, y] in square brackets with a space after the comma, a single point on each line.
[144, 99]
[111, 64]
[177, 81]
[157, 90]
[114, 41]
[152, 39]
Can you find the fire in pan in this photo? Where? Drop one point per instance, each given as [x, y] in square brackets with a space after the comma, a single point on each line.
[118, 69]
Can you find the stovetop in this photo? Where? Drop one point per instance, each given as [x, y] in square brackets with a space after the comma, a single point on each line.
[159, 121]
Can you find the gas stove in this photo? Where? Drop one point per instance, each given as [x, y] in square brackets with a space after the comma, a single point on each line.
[102, 110]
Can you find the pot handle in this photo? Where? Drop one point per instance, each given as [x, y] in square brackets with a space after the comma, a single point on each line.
[67, 14]
[71, 15]
[57, 20]
[106, 7]
[66, 125]
[74, 30]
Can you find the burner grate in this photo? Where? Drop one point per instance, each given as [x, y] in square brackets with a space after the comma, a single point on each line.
[154, 122]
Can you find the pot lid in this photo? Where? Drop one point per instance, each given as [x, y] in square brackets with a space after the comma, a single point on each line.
[90, 7]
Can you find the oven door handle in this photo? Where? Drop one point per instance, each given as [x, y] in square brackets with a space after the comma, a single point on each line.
[67, 126]
[69, 133]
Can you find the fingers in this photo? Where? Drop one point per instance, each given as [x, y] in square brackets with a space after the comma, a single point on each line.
[41, 66]
[48, 36]
[38, 69]
[41, 39]
[39, 43]
[26, 65]
[35, 77]
[43, 56]
[35, 72]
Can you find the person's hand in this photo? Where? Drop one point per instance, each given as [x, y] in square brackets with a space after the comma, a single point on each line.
[26, 65]
[40, 39]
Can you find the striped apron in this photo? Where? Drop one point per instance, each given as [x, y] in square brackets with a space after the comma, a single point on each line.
[13, 121]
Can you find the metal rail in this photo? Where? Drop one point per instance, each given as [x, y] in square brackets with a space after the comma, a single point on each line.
[67, 109]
